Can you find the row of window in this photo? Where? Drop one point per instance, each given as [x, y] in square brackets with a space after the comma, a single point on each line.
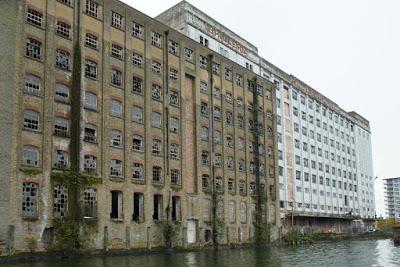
[328, 208]
[35, 17]
[321, 109]
[327, 181]
[30, 204]
[324, 126]
[328, 168]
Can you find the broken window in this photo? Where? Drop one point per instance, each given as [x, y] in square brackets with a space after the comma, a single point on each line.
[155, 39]
[217, 160]
[61, 126]
[231, 185]
[174, 124]
[229, 118]
[174, 98]
[116, 168]
[63, 29]
[33, 48]
[116, 77]
[216, 68]
[137, 30]
[29, 200]
[174, 151]
[228, 74]
[156, 92]
[61, 159]
[242, 187]
[173, 47]
[61, 92]
[156, 147]
[203, 62]
[137, 171]
[204, 109]
[229, 140]
[32, 85]
[90, 69]
[116, 138]
[203, 87]
[91, 41]
[92, 8]
[116, 51]
[137, 59]
[188, 54]
[205, 158]
[176, 208]
[173, 74]
[205, 181]
[138, 207]
[116, 20]
[116, 205]
[60, 196]
[30, 156]
[34, 17]
[137, 85]
[157, 174]
[90, 164]
[31, 119]
[229, 162]
[63, 59]
[175, 177]
[156, 67]
[158, 207]
[137, 143]
[90, 133]
[217, 113]
[218, 183]
[90, 203]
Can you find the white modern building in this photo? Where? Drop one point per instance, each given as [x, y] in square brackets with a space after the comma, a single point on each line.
[325, 157]
[392, 197]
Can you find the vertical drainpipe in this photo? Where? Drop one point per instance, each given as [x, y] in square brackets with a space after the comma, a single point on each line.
[166, 119]
[259, 196]
[211, 122]
[75, 145]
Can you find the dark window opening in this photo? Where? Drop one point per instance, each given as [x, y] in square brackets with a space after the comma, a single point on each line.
[157, 207]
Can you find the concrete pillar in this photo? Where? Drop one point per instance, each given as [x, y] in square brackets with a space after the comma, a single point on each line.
[105, 238]
[10, 239]
[128, 237]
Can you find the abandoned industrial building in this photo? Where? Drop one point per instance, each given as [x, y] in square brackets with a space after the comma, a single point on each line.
[119, 130]
[324, 153]
[133, 132]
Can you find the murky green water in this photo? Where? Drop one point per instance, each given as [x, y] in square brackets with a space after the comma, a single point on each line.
[344, 253]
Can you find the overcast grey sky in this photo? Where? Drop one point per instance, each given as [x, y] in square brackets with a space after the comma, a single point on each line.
[347, 50]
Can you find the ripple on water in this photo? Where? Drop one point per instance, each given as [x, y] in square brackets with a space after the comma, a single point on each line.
[361, 253]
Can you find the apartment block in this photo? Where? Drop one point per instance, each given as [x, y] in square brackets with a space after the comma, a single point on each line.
[392, 197]
[127, 125]
[324, 153]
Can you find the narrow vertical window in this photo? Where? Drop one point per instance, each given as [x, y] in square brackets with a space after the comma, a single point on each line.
[29, 200]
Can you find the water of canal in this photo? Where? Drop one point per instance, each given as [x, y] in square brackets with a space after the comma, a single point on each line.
[343, 253]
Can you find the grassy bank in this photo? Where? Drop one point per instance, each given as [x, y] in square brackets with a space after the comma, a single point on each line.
[295, 237]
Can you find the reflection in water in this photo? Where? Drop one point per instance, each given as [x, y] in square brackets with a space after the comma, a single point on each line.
[344, 253]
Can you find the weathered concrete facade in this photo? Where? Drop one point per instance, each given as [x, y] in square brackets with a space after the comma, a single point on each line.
[324, 152]
[170, 133]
